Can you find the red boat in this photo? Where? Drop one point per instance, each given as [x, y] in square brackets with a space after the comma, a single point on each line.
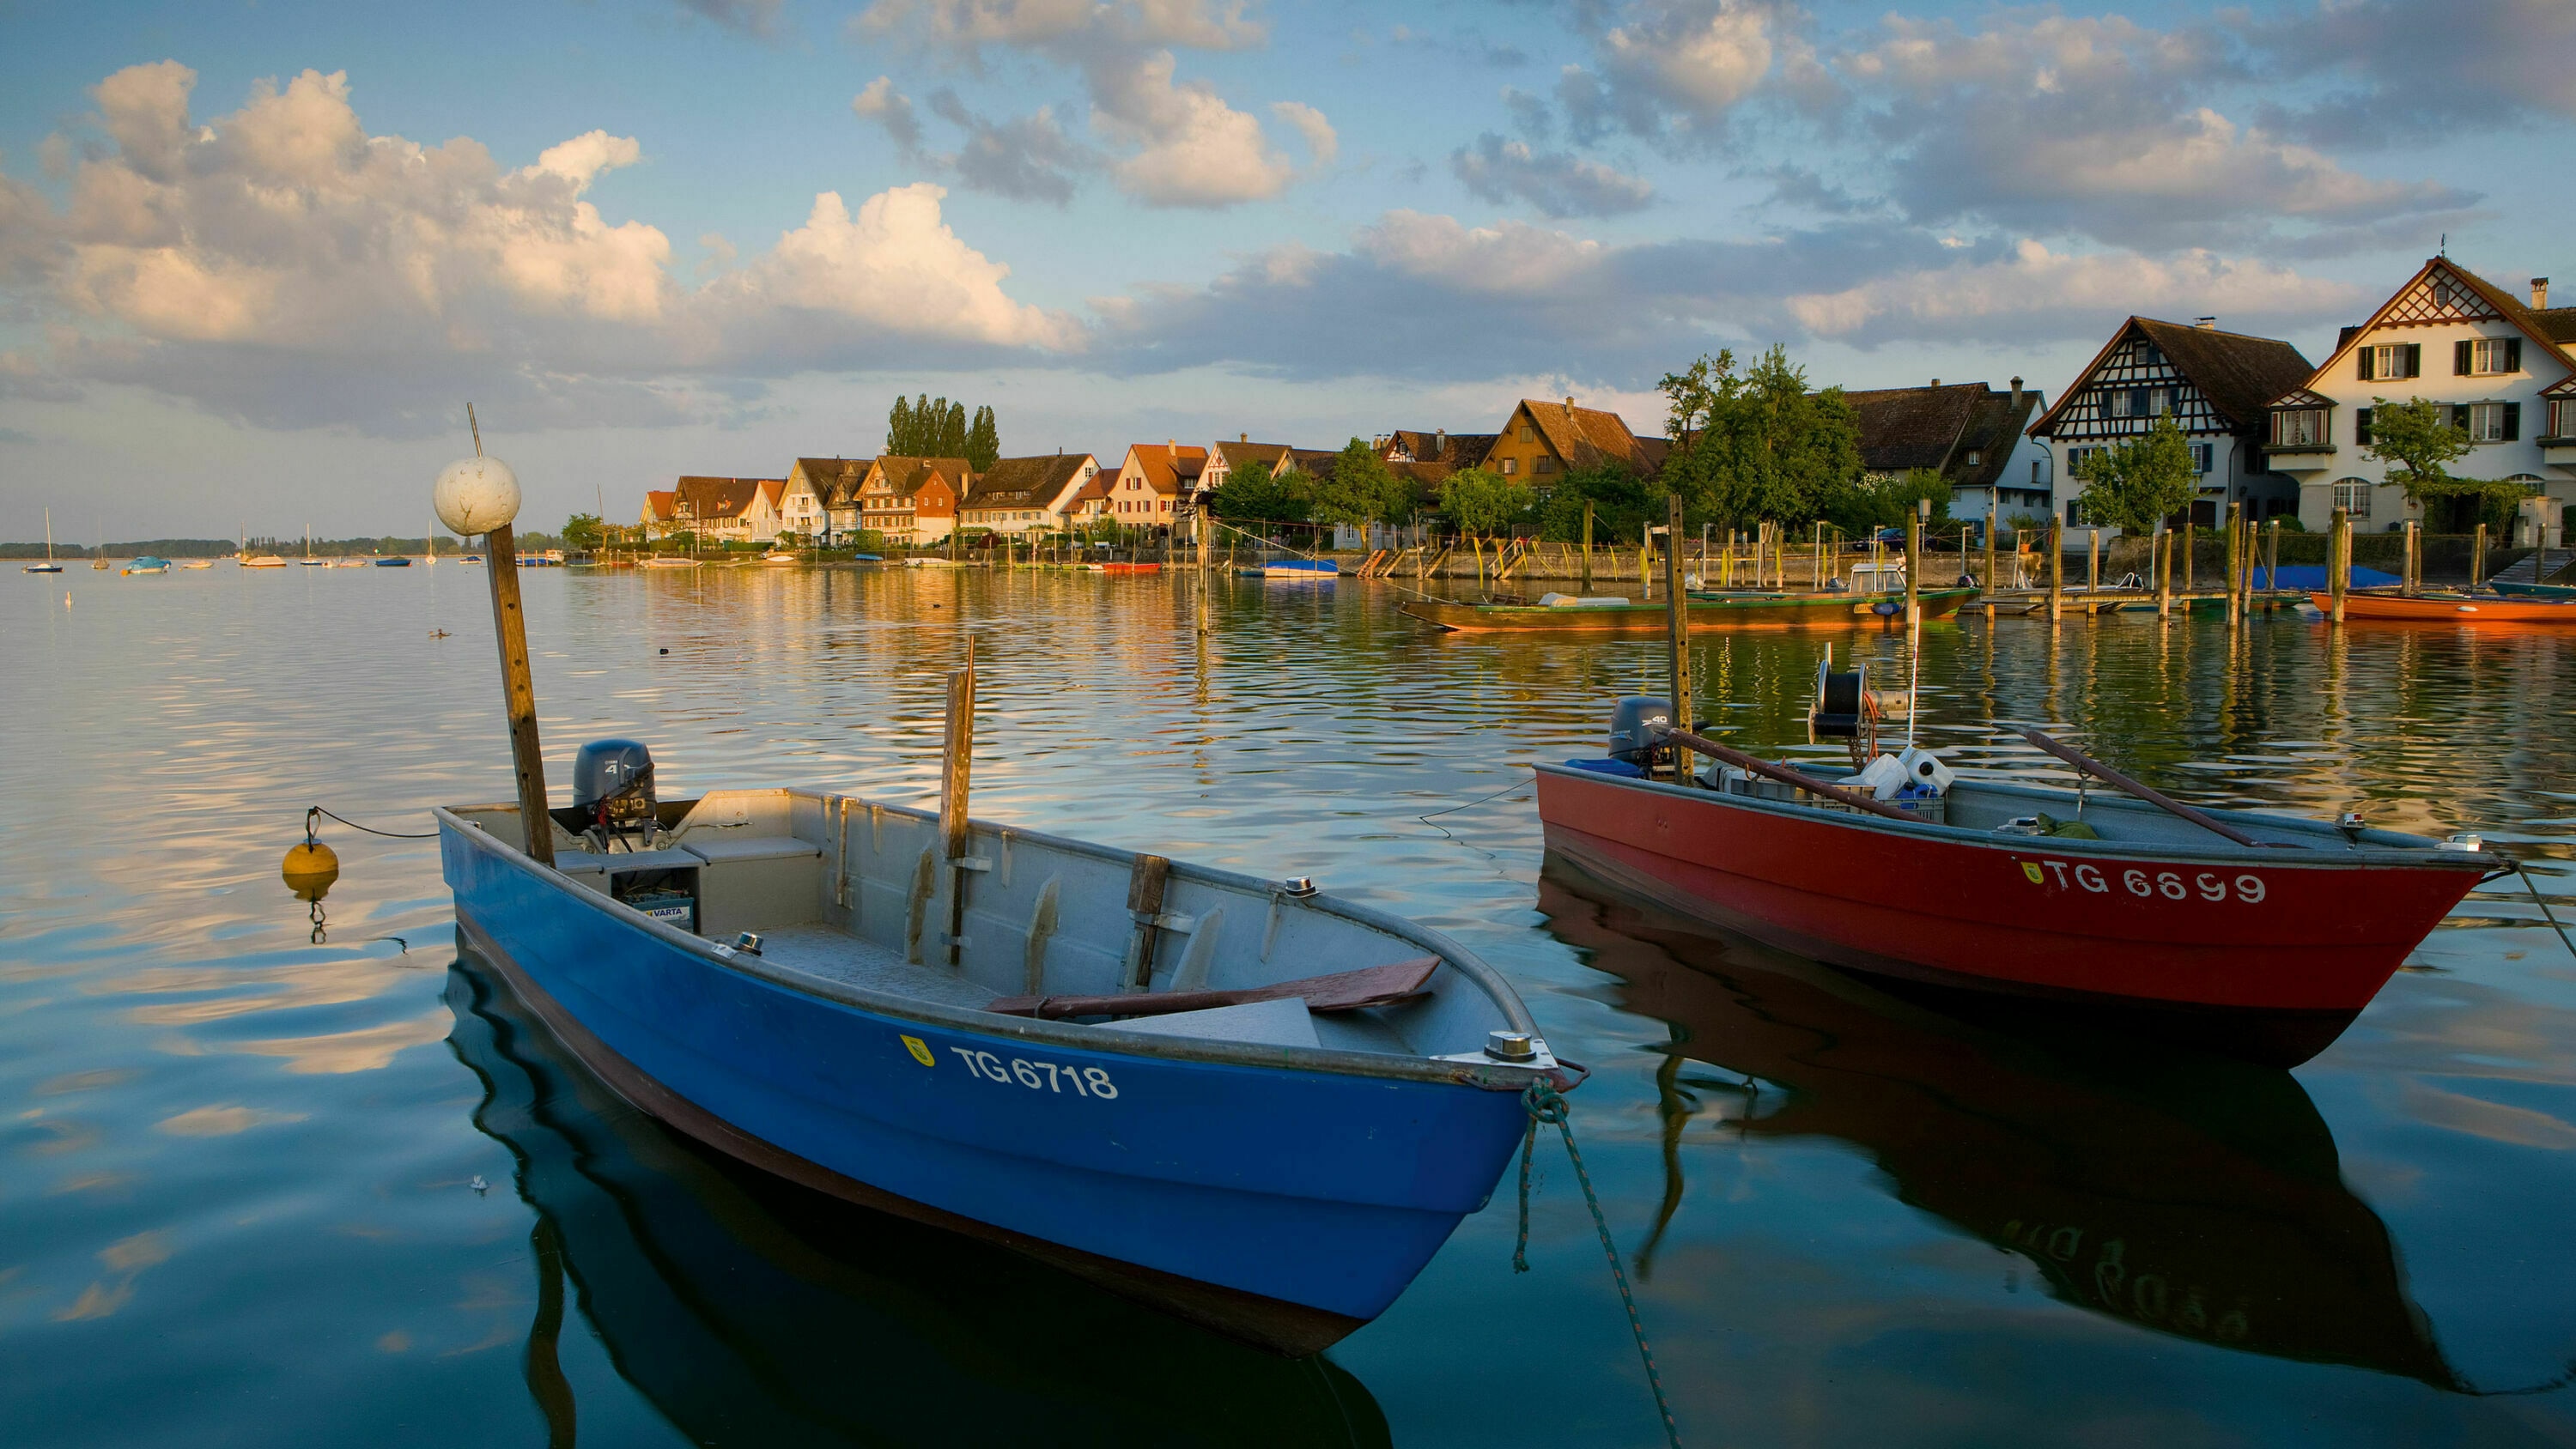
[2266, 949]
[2450, 608]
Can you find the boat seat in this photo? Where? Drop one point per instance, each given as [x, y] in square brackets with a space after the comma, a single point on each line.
[591, 869]
[1265, 1023]
[755, 882]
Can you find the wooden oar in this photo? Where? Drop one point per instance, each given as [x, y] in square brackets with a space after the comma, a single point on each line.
[2151, 795]
[1340, 991]
[1769, 771]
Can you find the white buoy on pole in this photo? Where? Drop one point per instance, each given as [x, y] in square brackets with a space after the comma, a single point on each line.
[481, 495]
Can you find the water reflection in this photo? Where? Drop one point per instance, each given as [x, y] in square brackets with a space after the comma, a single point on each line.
[2193, 1196]
[751, 1311]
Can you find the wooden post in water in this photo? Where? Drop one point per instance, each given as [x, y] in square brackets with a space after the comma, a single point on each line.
[2188, 553]
[2163, 562]
[1587, 545]
[2093, 563]
[1646, 561]
[2235, 532]
[2414, 565]
[2272, 562]
[1914, 564]
[2478, 557]
[2338, 562]
[1988, 578]
[2056, 569]
[956, 756]
[481, 495]
[1677, 630]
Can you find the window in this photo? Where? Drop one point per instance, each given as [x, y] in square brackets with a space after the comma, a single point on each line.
[1975, 457]
[2361, 427]
[2074, 463]
[1546, 464]
[2392, 360]
[2159, 402]
[2039, 472]
[2299, 428]
[2486, 355]
[2352, 495]
[2123, 402]
[1511, 466]
[2203, 456]
[2491, 422]
[2562, 417]
[1529, 431]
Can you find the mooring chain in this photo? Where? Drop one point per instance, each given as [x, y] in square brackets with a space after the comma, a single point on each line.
[1547, 1105]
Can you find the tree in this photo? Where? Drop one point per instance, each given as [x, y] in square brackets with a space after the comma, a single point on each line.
[2417, 436]
[1482, 502]
[1621, 503]
[1358, 488]
[2130, 485]
[582, 531]
[899, 428]
[1251, 495]
[983, 440]
[929, 427]
[1758, 446]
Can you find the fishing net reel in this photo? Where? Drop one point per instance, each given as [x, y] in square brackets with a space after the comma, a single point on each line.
[612, 792]
[1846, 709]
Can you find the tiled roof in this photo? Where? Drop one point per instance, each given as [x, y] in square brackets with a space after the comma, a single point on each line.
[1468, 450]
[1904, 428]
[719, 498]
[1025, 482]
[1243, 455]
[2550, 327]
[1162, 464]
[1588, 437]
[658, 502]
[2238, 373]
[909, 474]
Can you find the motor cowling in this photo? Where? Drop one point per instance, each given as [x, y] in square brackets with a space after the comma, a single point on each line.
[1637, 724]
[612, 786]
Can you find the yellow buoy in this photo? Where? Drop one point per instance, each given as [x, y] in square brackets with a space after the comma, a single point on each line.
[309, 870]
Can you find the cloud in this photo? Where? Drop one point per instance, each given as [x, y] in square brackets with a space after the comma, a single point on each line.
[1193, 150]
[2408, 67]
[282, 265]
[750, 17]
[1556, 183]
[1069, 28]
[1322, 142]
[1029, 158]
[882, 103]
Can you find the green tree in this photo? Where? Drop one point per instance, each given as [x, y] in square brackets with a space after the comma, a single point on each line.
[1482, 502]
[1758, 446]
[2417, 437]
[582, 530]
[1621, 503]
[950, 438]
[1358, 488]
[1251, 494]
[900, 432]
[983, 440]
[2132, 484]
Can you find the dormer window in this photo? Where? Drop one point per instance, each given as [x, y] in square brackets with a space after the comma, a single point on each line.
[1975, 457]
[2299, 428]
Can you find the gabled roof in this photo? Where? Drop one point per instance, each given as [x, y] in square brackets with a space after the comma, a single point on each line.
[718, 498]
[907, 476]
[660, 502]
[1166, 466]
[2300, 397]
[1903, 428]
[1588, 437]
[1313, 462]
[2545, 327]
[1244, 454]
[1467, 450]
[1025, 482]
[2240, 374]
[773, 489]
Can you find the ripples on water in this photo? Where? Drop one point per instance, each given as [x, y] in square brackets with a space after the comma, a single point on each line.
[236, 1200]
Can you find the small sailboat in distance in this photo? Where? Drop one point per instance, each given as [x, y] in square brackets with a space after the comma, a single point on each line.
[48, 566]
[309, 561]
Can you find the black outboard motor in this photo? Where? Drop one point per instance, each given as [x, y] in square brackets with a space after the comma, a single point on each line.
[1636, 727]
[612, 787]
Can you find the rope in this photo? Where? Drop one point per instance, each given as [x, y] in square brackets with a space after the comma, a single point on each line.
[1546, 1104]
[1301, 553]
[354, 825]
[2545, 913]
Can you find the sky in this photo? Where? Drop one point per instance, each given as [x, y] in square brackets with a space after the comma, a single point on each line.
[255, 258]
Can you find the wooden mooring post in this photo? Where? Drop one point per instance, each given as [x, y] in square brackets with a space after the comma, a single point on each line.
[1587, 545]
[2161, 559]
[2478, 557]
[2056, 570]
[2235, 538]
[481, 495]
[1677, 631]
[1986, 580]
[1914, 563]
[2188, 529]
[2338, 562]
[2093, 564]
[2414, 565]
[956, 759]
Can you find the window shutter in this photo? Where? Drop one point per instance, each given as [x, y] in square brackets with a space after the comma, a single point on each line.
[2367, 355]
[2414, 359]
[2463, 358]
[2513, 354]
[2513, 422]
[2361, 427]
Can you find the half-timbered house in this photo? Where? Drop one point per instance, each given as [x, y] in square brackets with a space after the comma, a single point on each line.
[1968, 433]
[2216, 386]
[2502, 370]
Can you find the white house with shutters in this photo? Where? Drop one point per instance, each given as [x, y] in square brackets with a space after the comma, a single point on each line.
[2501, 368]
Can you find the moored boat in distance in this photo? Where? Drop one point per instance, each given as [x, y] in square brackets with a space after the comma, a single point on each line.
[263, 561]
[48, 566]
[1620, 617]
[1301, 568]
[393, 561]
[1252, 1105]
[666, 561]
[147, 564]
[2250, 932]
[2450, 608]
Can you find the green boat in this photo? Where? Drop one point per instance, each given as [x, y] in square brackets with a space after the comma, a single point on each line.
[2534, 591]
[1708, 611]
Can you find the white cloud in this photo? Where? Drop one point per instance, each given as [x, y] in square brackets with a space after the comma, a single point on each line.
[1702, 59]
[1193, 149]
[966, 26]
[1508, 257]
[1557, 183]
[582, 159]
[882, 103]
[895, 264]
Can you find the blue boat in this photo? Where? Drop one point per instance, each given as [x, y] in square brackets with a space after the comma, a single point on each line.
[148, 564]
[393, 561]
[1118, 1064]
[1301, 568]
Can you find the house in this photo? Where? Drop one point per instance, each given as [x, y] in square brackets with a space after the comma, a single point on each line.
[657, 518]
[1089, 504]
[728, 510]
[1224, 459]
[2215, 385]
[1968, 433]
[1541, 440]
[913, 501]
[2502, 368]
[822, 493]
[1021, 495]
[1454, 451]
[1157, 483]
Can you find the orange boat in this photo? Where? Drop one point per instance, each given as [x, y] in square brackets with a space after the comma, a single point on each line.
[2449, 609]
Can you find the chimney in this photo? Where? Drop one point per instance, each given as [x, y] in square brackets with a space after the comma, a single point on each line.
[1569, 404]
[1440, 442]
[2016, 395]
[1243, 437]
[2205, 324]
[1936, 382]
[2539, 293]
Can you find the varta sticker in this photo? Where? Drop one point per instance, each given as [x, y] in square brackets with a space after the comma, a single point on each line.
[920, 1051]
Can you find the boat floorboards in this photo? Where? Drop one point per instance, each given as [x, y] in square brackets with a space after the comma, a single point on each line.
[840, 956]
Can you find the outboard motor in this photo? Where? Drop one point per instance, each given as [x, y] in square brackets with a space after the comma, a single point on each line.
[1636, 726]
[612, 787]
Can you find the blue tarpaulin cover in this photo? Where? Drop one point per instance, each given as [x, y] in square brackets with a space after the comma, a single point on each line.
[2313, 576]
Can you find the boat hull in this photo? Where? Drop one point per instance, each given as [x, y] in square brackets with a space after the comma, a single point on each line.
[1763, 611]
[2271, 950]
[2535, 591]
[1286, 1207]
[2451, 610]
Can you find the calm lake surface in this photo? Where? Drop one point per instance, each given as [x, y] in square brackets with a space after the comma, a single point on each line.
[258, 1188]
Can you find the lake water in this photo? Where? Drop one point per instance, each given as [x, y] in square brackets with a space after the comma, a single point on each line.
[263, 1185]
